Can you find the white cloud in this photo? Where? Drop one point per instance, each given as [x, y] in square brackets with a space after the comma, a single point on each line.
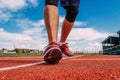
[86, 39]
[94, 44]
[39, 23]
[61, 19]
[9, 6]
[94, 47]
[79, 23]
[26, 23]
[34, 36]
[86, 34]
[13, 36]
[33, 40]
[12, 4]
[5, 16]
[33, 2]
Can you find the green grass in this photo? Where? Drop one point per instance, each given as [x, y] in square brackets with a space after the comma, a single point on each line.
[19, 54]
[82, 53]
[40, 54]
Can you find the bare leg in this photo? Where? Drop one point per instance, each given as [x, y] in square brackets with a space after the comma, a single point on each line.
[66, 28]
[51, 17]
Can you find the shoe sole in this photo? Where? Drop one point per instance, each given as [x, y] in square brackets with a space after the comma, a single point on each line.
[53, 56]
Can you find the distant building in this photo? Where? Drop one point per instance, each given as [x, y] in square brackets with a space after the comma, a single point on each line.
[4, 50]
[11, 51]
[0, 51]
[19, 50]
[111, 45]
[23, 50]
[34, 51]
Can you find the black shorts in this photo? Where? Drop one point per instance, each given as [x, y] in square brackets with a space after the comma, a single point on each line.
[64, 3]
[70, 3]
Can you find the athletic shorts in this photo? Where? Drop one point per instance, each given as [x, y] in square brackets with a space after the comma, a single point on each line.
[70, 3]
[64, 3]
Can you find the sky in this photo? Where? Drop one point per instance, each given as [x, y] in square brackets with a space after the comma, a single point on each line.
[22, 24]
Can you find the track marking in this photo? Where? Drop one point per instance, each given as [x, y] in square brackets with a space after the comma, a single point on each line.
[31, 64]
[100, 59]
[20, 66]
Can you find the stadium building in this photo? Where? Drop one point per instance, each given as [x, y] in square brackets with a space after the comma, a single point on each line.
[111, 45]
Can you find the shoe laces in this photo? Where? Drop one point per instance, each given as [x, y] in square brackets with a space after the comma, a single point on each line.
[50, 44]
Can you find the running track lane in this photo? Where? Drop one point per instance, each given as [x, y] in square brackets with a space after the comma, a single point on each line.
[14, 61]
[80, 68]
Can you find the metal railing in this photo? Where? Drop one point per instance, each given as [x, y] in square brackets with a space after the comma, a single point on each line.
[112, 50]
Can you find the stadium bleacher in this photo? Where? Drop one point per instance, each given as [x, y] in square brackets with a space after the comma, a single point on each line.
[111, 45]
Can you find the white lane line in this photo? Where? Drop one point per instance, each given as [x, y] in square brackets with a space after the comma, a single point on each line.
[31, 64]
[20, 66]
[71, 57]
[97, 59]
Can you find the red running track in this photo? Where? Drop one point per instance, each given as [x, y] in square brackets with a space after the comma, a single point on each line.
[78, 68]
[14, 61]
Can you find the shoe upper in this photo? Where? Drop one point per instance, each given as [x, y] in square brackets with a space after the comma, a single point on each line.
[51, 45]
[64, 48]
[52, 53]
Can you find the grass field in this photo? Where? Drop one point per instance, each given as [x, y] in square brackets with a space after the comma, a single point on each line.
[19, 54]
[40, 54]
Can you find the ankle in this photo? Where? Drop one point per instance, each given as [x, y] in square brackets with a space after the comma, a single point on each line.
[61, 43]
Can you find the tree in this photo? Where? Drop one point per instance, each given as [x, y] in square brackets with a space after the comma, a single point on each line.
[17, 50]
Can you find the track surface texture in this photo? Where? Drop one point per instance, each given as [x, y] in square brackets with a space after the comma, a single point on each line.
[76, 68]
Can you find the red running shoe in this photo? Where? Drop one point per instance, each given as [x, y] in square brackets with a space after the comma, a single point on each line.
[52, 53]
[64, 48]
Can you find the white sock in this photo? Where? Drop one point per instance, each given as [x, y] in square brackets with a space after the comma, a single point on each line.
[61, 43]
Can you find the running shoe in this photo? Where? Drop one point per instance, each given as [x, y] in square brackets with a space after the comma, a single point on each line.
[52, 53]
[65, 49]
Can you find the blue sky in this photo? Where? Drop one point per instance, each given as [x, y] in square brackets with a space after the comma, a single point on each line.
[22, 24]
